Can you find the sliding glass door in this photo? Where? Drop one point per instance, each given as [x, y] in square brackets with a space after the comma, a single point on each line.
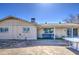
[72, 32]
[69, 32]
[75, 32]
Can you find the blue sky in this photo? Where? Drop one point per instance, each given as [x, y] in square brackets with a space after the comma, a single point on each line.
[43, 12]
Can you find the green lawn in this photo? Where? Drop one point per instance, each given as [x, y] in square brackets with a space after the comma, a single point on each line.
[50, 39]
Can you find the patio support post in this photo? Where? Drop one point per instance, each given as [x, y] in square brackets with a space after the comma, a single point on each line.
[54, 33]
[72, 33]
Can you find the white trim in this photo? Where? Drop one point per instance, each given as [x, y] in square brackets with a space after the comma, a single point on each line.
[54, 33]
[72, 32]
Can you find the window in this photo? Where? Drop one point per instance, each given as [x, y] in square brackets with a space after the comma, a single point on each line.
[26, 30]
[3, 29]
[48, 30]
[45, 30]
[75, 32]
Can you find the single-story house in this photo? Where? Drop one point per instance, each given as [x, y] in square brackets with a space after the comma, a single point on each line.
[16, 28]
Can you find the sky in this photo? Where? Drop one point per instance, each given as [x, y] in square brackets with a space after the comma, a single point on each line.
[42, 12]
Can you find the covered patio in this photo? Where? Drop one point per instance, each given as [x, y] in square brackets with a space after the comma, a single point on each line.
[54, 31]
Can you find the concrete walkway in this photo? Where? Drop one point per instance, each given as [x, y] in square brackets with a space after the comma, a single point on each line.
[38, 47]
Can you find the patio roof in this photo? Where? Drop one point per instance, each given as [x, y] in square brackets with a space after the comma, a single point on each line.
[58, 25]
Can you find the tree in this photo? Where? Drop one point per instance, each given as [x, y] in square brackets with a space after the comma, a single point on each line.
[73, 19]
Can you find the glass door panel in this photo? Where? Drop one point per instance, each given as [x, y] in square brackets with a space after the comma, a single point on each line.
[75, 32]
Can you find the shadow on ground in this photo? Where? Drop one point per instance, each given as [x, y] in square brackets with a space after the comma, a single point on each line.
[6, 44]
[74, 51]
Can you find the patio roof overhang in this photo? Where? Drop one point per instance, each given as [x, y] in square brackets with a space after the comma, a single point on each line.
[64, 25]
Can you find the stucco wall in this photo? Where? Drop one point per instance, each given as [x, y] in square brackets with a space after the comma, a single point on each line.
[78, 32]
[16, 28]
[6, 35]
[59, 32]
[40, 32]
[31, 34]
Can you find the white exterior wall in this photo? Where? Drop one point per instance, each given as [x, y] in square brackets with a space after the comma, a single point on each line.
[15, 27]
[31, 34]
[6, 35]
[59, 32]
[40, 32]
[14, 32]
[78, 32]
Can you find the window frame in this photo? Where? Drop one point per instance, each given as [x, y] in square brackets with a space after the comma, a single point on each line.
[48, 30]
[3, 30]
[26, 29]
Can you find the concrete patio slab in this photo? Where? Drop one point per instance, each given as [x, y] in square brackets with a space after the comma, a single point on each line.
[38, 47]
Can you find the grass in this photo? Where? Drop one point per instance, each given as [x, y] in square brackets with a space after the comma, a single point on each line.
[50, 39]
[59, 39]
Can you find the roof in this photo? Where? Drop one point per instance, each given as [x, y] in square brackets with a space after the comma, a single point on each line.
[43, 25]
[15, 18]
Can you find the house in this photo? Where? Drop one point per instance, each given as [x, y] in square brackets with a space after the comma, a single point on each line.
[16, 28]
